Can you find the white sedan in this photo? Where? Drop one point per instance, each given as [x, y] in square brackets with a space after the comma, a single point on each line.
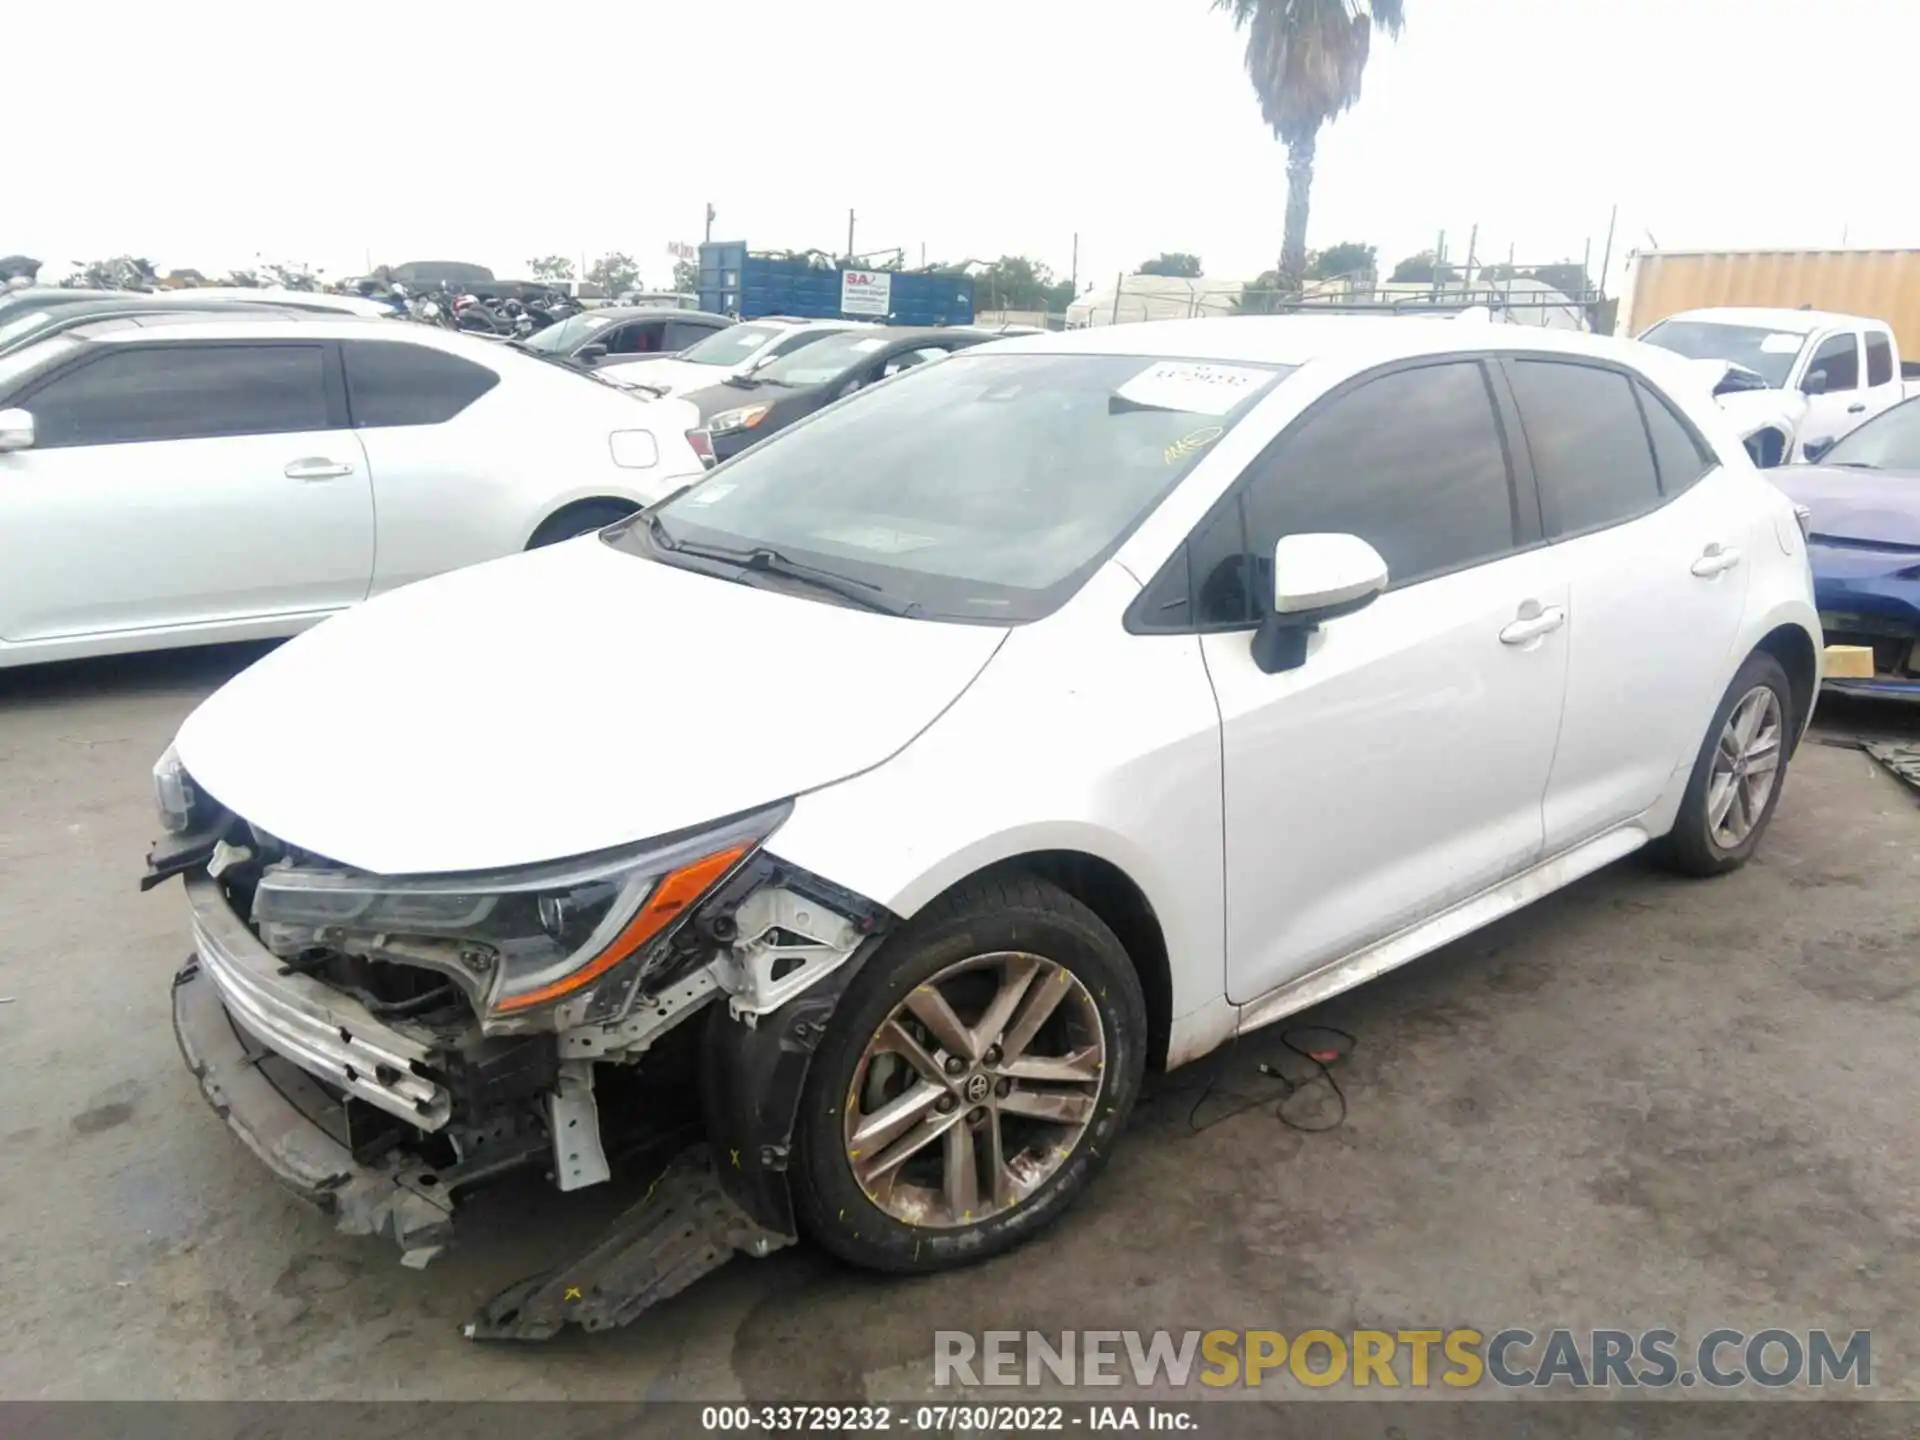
[234, 477]
[1067, 707]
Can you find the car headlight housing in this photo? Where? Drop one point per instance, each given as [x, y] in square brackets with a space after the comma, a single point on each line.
[174, 793]
[746, 417]
[542, 935]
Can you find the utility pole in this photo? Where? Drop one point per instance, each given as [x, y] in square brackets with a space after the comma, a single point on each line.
[849, 236]
[1074, 284]
[1473, 239]
[709, 222]
[1606, 255]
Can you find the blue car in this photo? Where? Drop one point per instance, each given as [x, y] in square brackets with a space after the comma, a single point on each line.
[1863, 499]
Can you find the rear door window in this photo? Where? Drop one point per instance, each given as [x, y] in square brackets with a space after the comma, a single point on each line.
[1591, 454]
[137, 393]
[1879, 357]
[392, 383]
[1679, 454]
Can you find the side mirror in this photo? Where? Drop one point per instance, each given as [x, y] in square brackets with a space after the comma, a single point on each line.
[590, 354]
[1813, 450]
[16, 430]
[1315, 578]
[1815, 383]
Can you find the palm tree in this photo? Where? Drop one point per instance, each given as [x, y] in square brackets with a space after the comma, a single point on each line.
[1305, 58]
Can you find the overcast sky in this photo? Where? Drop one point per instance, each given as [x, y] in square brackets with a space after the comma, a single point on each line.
[205, 134]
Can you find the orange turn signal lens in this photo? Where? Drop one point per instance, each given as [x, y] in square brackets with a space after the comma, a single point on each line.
[675, 892]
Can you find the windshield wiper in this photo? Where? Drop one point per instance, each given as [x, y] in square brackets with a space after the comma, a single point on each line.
[1849, 464]
[654, 390]
[765, 560]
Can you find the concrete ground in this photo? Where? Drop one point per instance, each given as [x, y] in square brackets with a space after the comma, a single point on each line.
[1642, 1102]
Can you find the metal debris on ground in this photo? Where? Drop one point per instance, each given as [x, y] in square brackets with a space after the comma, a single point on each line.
[1902, 761]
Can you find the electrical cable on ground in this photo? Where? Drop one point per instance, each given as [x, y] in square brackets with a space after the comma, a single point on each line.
[1310, 1052]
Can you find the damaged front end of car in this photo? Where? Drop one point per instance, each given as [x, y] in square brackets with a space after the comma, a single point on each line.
[388, 1044]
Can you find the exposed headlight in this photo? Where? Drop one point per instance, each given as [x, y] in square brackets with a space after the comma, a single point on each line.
[634, 449]
[173, 792]
[744, 418]
[548, 931]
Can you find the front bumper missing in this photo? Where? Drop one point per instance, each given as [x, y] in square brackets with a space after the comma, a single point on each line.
[272, 1115]
[328, 1034]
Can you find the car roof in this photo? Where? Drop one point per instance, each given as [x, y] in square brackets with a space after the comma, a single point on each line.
[1298, 339]
[655, 312]
[1760, 317]
[251, 325]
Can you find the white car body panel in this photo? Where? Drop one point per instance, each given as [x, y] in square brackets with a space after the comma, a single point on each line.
[238, 537]
[646, 680]
[1293, 834]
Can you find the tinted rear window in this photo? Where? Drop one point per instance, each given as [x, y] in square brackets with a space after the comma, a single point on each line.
[393, 383]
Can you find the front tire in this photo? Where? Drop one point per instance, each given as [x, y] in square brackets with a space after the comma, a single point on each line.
[974, 1080]
[1738, 775]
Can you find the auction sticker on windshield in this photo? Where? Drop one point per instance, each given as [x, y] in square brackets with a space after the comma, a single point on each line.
[1196, 388]
[1782, 344]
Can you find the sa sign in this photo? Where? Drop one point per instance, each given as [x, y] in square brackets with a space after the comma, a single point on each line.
[866, 292]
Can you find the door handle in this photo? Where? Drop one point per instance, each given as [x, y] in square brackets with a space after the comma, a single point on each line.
[318, 468]
[1856, 407]
[1714, 560]
[1532, 627]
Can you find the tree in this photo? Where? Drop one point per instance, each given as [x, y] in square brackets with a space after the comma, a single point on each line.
[551, 268]
[686, 276]
[614, 273]
[1305, 58]
[1349, 257]
[1015, 282]
[1422, 270]
[1176, 263]
[291, 275]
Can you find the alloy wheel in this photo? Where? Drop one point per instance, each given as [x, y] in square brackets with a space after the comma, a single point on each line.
[1746, 766]
[975, 1089]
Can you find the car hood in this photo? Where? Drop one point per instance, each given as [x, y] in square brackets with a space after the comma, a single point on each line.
[672, 375]
[1881, 507]
[567, 700]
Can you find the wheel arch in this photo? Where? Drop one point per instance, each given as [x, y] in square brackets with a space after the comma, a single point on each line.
[1122, 905]
[1795, 650]
[559, 515]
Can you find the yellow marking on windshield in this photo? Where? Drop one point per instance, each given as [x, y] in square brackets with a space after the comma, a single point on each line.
[1189, 443]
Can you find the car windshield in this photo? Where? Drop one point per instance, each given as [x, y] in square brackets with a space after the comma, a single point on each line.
[1768, 353]
[569, 335]
[732, 345]
[983, 489]
[1890, 441]
[823, 360]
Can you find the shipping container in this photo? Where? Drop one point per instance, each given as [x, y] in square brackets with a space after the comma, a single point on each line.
[1877, 284]
[737, 281]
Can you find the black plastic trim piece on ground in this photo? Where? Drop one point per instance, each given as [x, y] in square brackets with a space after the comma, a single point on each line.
[683, 1228]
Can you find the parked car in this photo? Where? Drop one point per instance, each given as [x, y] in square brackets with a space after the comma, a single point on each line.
[733, 351]
[1847, 369]
[1863, 512]
[1059, 710]
[744, 409]
[595, 337]
[237, 477]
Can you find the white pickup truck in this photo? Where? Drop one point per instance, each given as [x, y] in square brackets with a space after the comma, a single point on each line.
[1827, 373]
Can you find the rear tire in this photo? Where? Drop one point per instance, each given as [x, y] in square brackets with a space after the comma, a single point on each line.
[578, 520]
[923, 1146]
[1738, 774]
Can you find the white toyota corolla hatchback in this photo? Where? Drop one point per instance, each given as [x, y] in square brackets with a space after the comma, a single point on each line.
[876, 811]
